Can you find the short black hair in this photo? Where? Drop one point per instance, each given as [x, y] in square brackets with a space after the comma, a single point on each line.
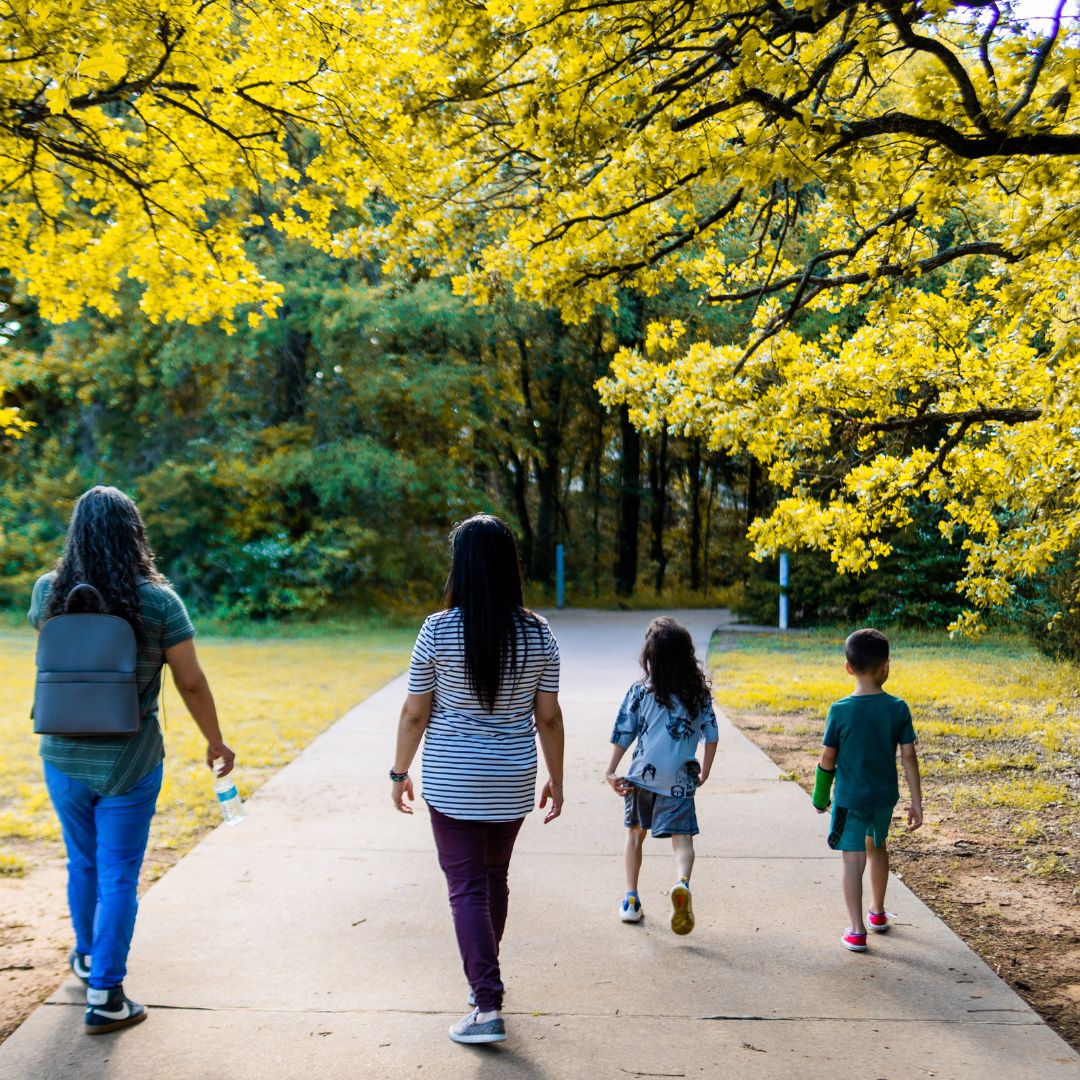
[866, 650]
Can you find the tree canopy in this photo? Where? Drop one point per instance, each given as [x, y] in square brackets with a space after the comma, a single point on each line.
[914, 163]
[884, 192]
[155, 140]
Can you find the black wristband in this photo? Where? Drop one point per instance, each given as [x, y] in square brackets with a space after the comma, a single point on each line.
[399, 777]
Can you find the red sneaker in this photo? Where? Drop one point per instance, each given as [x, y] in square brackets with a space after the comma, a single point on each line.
[878, 921]
[854, 942]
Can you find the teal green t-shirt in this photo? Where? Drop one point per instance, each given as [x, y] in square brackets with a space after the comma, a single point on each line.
[112, 764]
[865, 730]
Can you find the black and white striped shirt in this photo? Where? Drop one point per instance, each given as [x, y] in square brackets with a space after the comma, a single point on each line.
[480, 766]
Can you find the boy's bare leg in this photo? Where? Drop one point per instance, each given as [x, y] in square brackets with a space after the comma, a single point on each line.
[854, 865]
[877, 859]
[632, 857]
[684, 855]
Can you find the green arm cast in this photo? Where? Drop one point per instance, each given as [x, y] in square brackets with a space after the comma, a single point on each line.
[822, 788]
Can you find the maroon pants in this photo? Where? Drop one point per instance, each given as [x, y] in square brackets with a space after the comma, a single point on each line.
[475, 857]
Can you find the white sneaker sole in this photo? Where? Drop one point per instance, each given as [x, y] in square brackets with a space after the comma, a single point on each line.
[632, 916]
[852, 948]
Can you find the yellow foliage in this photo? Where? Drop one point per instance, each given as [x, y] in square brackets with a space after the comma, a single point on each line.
[1024, 794]
[909, 170]
[906, 170]
[138, 134]
[11, 865]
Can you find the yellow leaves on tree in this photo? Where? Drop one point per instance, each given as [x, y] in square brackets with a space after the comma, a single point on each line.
[138, 135]
[886, 193]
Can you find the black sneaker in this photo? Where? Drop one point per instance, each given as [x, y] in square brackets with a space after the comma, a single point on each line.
[80, 966]
[109, 1010]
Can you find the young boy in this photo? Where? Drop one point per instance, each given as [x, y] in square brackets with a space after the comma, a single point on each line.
[667, 713]
[862, 732]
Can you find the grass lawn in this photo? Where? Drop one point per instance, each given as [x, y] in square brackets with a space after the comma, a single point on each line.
[273, 694]
[998, 730]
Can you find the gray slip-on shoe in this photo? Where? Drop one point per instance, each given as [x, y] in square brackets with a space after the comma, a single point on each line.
[469, 1030]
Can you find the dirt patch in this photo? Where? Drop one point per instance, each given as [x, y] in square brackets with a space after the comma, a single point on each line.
[1014, 901]
[35, 934]
[35, 929]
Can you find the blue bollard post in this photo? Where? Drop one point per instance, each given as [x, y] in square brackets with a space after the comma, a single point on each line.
[560, 576]
[783, 591]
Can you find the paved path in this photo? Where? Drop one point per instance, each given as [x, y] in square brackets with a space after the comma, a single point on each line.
[315, 939]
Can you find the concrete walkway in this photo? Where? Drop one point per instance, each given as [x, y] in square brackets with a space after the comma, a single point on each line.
[315, 939]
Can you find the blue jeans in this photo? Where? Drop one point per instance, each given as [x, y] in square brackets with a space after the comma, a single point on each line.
[105, 837]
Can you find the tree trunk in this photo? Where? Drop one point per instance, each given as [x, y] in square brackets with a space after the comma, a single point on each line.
[753, 491]
[708, 527]
[292, 375]
[598, 455]
[520, 488]
[626, 555]
[693, 472]
[658, 500]
[547, 483]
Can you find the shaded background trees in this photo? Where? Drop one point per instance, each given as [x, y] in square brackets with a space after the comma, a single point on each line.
[317, 460]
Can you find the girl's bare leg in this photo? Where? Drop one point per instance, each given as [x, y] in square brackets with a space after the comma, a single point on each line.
[635, 838]
[684, 855]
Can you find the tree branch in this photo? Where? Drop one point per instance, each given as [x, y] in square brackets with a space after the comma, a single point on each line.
[1037, 64]
[949, 60]
[971, 147]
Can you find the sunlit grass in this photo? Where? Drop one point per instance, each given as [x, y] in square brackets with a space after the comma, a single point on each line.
[1030, 794]
[998, 724]
[11, 865]
[273, 695]
[982, 695]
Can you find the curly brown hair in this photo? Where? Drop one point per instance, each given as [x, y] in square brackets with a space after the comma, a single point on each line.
[669, 660]
[106, 547]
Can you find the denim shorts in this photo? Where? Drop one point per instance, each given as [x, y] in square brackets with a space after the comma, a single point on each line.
[663, 814]
[850, 828]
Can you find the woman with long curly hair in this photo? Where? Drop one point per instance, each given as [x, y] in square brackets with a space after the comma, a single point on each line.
[483, 688]
[105, 788]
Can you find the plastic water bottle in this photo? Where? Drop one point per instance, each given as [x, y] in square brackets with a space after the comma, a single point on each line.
[232, 809]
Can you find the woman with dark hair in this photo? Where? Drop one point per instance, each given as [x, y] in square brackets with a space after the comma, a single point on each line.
[105, 788]
[483, 686]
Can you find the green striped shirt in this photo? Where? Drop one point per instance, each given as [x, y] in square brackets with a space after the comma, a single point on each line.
[112, 764]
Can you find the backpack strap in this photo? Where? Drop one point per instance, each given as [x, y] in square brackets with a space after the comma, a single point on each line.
[102, 607]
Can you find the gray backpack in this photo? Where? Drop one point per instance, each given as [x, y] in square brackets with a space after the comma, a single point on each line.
[86, 674]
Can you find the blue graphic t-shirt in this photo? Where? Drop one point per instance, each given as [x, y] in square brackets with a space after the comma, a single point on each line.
[665, 757]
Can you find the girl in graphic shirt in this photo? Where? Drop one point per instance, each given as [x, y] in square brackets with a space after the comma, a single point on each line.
[666, 715]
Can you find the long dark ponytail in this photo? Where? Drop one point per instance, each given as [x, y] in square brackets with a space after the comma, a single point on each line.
[106, 547]
[485, 584]
[669, 660]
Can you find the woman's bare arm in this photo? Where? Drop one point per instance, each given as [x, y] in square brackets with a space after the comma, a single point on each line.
[549, 730]
[413, 722]
[191, 682]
